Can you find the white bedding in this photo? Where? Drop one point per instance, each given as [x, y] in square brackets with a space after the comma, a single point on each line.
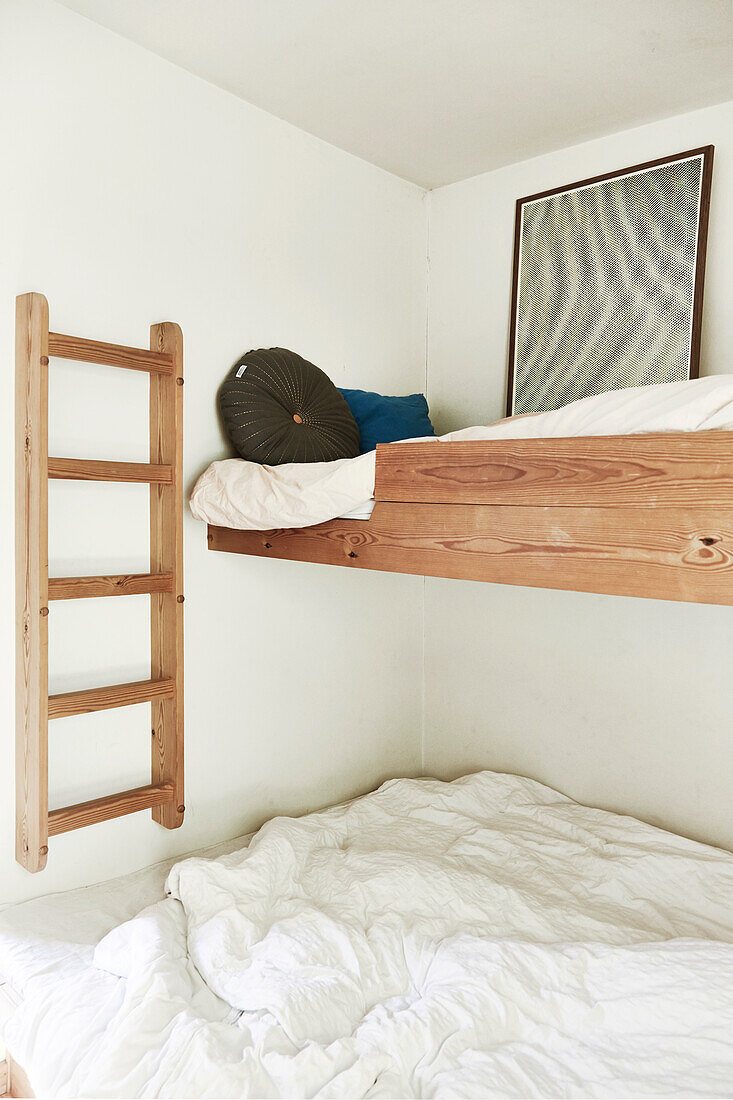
[63, 929]
[245, 495]
[487, 937]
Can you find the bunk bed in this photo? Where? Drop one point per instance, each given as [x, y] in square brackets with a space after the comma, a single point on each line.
[113, 988]
[634, 515]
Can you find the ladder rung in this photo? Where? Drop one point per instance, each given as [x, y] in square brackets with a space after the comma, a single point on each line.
[84, 469]
[112, 805]
[110, 355]
[104, 698]
[130, 584]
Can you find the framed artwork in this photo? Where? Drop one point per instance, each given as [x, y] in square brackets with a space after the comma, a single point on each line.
[608, 282]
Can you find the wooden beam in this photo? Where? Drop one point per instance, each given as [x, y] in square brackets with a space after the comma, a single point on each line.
[111, 355]
[660, 553]
[84, 469]
[125, 584]
[104, 809]
[31, 580]
[105, 698]
[675, 468]
[20, 1087]
[166, 556]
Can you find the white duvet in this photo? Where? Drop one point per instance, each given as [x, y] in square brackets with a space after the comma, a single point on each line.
[487, 937]
[248, 496]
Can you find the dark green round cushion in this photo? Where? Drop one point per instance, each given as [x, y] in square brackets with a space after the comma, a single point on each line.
[277, 407]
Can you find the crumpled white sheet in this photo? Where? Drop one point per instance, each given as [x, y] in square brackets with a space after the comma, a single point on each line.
[248, 496]
[487, 937]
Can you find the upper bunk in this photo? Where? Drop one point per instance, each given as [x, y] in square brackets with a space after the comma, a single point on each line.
[646, 515]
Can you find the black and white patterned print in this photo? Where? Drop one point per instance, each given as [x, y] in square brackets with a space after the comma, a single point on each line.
[606, 289]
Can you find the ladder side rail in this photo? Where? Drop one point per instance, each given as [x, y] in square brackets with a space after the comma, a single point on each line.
[31, 580]
[166, 556]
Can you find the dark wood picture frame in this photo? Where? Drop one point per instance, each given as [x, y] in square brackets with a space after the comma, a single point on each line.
[706, 153]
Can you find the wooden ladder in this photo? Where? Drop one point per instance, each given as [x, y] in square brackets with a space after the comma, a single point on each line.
[34, 344]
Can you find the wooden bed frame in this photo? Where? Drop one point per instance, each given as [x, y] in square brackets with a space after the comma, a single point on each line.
[641, 515]
[163, 361]
[14, 1081]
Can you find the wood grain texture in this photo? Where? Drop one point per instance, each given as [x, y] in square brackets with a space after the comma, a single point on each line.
[164, 582]
[85, 469]
[20, 1086]
[111, 355]
[166, 555]
[104, 809]
[124, 584]
[31, 580]
[676, 468]
[660, 553]
[105, 698]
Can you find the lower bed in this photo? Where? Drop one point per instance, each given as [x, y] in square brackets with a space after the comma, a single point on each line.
[487, 937]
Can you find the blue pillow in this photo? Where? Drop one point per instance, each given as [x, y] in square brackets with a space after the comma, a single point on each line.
[387, 419]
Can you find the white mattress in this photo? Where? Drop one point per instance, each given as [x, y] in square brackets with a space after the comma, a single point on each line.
[248, 496]
[488, 937]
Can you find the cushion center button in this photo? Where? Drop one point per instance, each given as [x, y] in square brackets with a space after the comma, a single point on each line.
[298, 419]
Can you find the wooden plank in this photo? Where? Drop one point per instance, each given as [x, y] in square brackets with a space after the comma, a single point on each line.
[20, 1086]
[112, 805]
[31, 580]
[676, 468]
[660, 553]
[166, 555]
[111, 355]
[84, 469]
[105, 698]
[124, 584]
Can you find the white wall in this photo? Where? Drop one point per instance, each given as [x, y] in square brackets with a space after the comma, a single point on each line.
[619, 702]
[133, 192]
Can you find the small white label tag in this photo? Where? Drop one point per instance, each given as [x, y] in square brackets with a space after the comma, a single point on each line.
[241, 370]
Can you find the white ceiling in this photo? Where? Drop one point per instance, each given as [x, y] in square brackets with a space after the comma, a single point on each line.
[439, 90]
